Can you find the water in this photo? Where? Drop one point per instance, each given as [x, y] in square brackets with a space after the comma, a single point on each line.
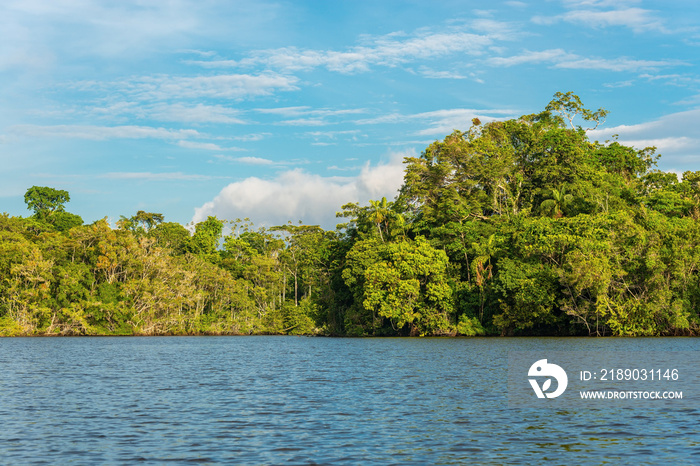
[295, 400]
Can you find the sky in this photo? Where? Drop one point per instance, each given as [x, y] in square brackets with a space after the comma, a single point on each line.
[285, 110]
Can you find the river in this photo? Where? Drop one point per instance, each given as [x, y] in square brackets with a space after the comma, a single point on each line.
[300, 400]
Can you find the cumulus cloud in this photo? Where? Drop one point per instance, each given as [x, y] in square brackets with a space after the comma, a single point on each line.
[299, 195]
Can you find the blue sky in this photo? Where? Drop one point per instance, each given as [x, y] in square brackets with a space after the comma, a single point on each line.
[285, 110]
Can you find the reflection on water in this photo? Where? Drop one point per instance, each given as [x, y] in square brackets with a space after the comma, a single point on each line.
[271, 400]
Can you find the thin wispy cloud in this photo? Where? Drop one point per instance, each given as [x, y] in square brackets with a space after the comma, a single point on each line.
[559, 58]
[676, 136]
[600, 3]
[441, 122]
[168, 87]
[434, 74]
[334, 135]
[102, 133]
[532, 57]
[198, 113]
[207, 146]
[389, 50]
[244, 160]
[617, 64]
[638, 19]
[308, 111]
[304, 122]
[148, 176]
[125, 30]
[228, 86]
[251, 137]
[307, 116]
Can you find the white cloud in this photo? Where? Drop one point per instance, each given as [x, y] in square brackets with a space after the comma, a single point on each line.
[229, 86]
[617, 64]
[148, 176]
[529, 56]
[562, 59]
[675, 124]
[351, 135]
[619, 84]
[665, 145]
[299, 195]
[636, 19]
[308, 111]
[286, 111]
[166, 88]
[389, 50]
[599, 3]
[676, 137]
[307, 116]
[101, 133]
[199, 113]
[608, 13]
[206, 146]
[433, 74]
[252, 137]
[127, 29]
[246, 160]
[442, 122]
[305, 122]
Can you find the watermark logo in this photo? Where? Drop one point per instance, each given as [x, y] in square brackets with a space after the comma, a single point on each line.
[543, 369]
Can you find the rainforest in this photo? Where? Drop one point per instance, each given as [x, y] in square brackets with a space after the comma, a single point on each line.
[517, 227]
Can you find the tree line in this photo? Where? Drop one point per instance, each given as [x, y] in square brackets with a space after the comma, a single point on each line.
[515, 227]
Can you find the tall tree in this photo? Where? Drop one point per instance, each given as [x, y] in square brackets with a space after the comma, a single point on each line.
[48, 206]
[44, 201]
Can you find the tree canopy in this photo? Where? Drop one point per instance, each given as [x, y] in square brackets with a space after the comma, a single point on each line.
[44, 201]
[515, 227]
[48, 205]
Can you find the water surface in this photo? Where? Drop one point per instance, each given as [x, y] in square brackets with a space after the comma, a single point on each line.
[296, 400]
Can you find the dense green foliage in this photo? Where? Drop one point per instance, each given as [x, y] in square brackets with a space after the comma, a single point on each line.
[517, 227]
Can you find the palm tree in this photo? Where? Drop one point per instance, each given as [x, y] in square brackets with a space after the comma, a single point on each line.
[558, 203]
[379, 214]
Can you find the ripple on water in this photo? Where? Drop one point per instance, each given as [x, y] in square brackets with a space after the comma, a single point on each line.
[269, 400]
